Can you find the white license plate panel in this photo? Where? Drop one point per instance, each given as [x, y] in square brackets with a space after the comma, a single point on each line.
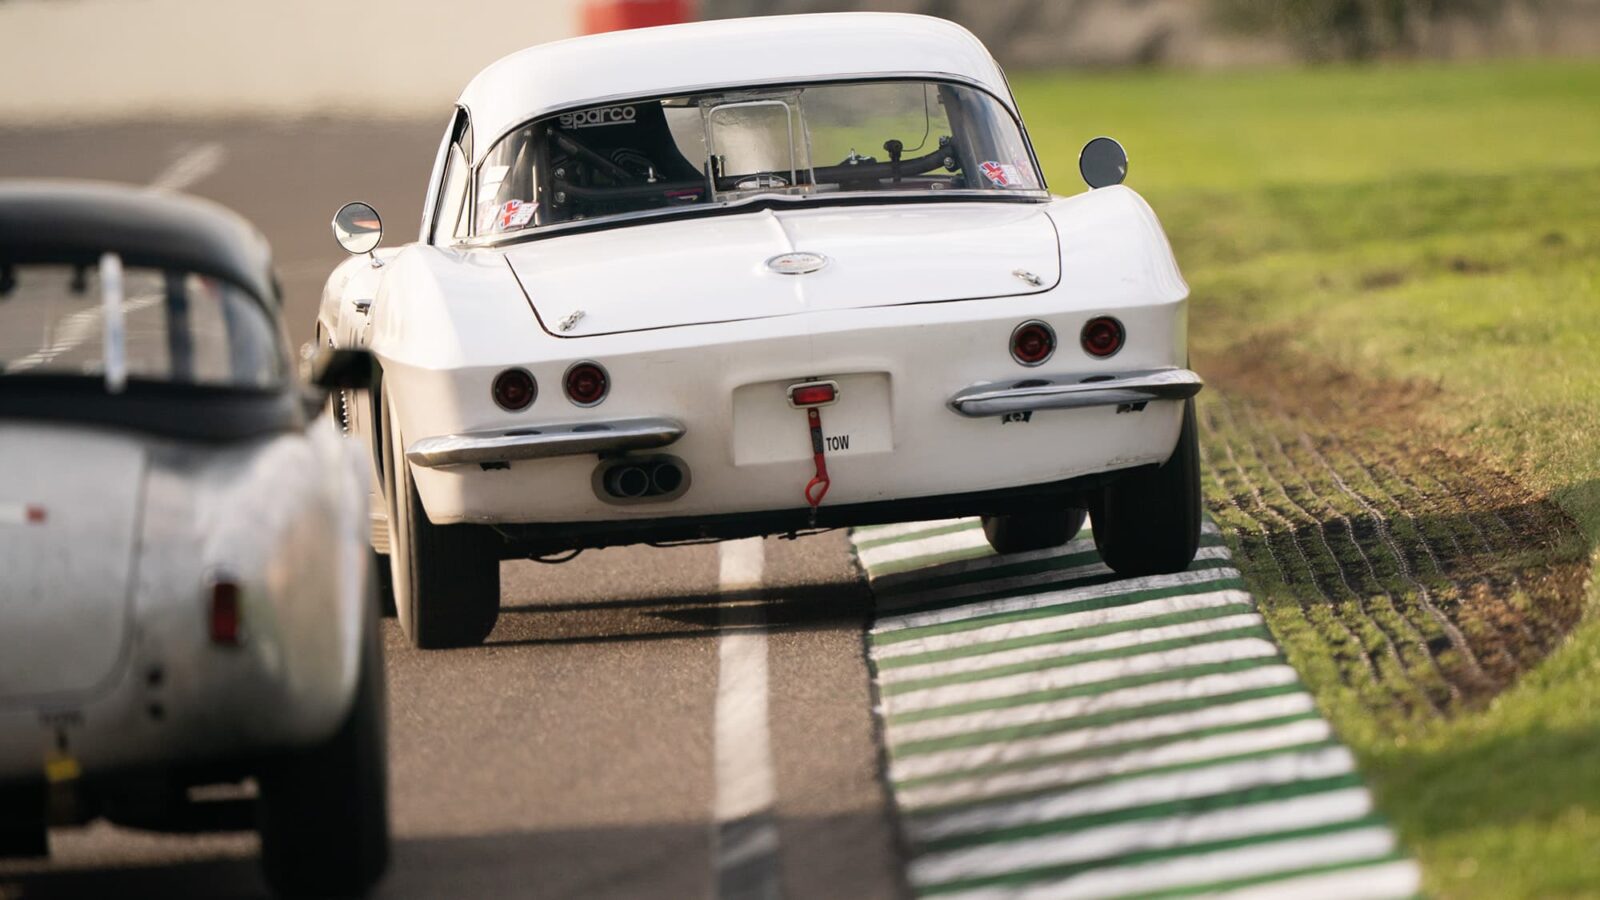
[766, 429]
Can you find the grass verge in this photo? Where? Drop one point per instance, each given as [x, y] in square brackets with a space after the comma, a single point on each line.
[1420, 513]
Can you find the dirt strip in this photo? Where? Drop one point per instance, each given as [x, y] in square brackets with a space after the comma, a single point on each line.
[1435, 579]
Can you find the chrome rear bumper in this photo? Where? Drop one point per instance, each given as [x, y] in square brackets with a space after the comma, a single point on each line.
[543, 442]
[1075, 392]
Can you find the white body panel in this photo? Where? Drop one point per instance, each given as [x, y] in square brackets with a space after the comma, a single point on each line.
[107, 620]
[713, 269]
[445, 322]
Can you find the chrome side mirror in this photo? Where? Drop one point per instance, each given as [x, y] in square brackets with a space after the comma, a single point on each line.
[358, 229]
[1103, 163]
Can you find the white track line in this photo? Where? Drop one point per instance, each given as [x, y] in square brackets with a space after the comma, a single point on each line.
[1399, 878]
[746, 838]
[1120, 640]
[1272, 771]
[1275, 737]
[194, 165]
[1072, 707]
[1223, 865]
[1061, 622]
[965, 759]
[1076, 674]
[1050, 598]
[1157, 834]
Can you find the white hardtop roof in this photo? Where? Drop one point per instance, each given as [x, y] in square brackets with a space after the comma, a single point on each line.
[676, 59]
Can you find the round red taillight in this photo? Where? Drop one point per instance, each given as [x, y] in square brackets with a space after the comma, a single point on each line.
[1032, 343]
[514, 390]
[587, 383]
[1103, 337]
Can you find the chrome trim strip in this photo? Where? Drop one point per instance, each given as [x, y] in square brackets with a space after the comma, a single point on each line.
[1075, 392]
[544, 442]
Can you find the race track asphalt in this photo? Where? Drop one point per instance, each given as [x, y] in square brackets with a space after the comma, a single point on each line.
[577, 754]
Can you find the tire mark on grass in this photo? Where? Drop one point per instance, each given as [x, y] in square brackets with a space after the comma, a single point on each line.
[1311, 527]
[1350, 638]
[1400, 624]
[1424, 596]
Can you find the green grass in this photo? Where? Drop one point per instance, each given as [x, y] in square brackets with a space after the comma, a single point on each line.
[1437, 224]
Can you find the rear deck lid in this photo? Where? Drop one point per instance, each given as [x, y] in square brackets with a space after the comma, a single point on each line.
[715, 269]
[69, 518]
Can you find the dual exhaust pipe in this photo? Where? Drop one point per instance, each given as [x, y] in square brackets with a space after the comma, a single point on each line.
[662, 478]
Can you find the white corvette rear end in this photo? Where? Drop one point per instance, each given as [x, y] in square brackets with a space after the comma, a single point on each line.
[704, 312]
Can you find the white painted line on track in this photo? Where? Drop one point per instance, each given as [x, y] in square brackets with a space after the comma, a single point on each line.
[1176, 689]
[193, 165]
[1057, 731]
[902, 768]
[1284, 768]
[1110, 841]
[745, 836]
[1076, 674]
[1292, 734]
[1062, 622]
[1120, 640]
[1286, 856]
[1398, 878]
[1049, 598]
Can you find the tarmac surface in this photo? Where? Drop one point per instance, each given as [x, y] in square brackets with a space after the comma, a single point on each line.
[597, 745]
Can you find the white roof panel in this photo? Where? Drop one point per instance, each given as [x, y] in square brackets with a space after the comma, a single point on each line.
[723, 53]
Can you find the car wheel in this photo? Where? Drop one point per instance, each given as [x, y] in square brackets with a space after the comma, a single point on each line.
[446, 578]
[1148, 521]
[22, 828]
[324, 812]
[1021, 532]
[383, 584]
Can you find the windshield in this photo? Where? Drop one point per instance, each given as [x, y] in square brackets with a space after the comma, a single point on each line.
[176, 327]
[886, 137]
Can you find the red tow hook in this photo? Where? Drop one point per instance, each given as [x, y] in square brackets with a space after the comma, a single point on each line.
[817, 487]
[809, 396]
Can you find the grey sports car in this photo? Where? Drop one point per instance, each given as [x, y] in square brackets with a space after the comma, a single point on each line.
[185, 595]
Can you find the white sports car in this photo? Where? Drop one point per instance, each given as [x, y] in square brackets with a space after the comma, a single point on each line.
[754, 277]
[184, 591]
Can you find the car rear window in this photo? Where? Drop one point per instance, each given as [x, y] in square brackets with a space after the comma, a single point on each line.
[177, 327]
[653, 155]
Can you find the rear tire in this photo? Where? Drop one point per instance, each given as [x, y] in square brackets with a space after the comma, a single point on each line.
[324, 813]
[1148, 521]
[383, 584]
[445, 578]
[1022, 532]
[22, 828]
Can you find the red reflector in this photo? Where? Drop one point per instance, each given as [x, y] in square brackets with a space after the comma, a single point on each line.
[35, 514]
[226, 613]
[813, 395]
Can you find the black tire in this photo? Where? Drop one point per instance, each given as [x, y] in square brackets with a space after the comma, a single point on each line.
[324, 812]
[1021, 532]
[445, 578]
[1148, 521]
[22, 822]
[383, 584]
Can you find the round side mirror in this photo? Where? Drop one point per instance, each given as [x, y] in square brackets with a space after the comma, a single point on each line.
[357, 228]
[1103, 163]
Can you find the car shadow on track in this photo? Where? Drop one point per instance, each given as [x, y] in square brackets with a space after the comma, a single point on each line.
[668, 860]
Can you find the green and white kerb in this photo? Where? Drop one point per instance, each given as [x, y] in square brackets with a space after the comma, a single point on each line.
[1056, 731]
